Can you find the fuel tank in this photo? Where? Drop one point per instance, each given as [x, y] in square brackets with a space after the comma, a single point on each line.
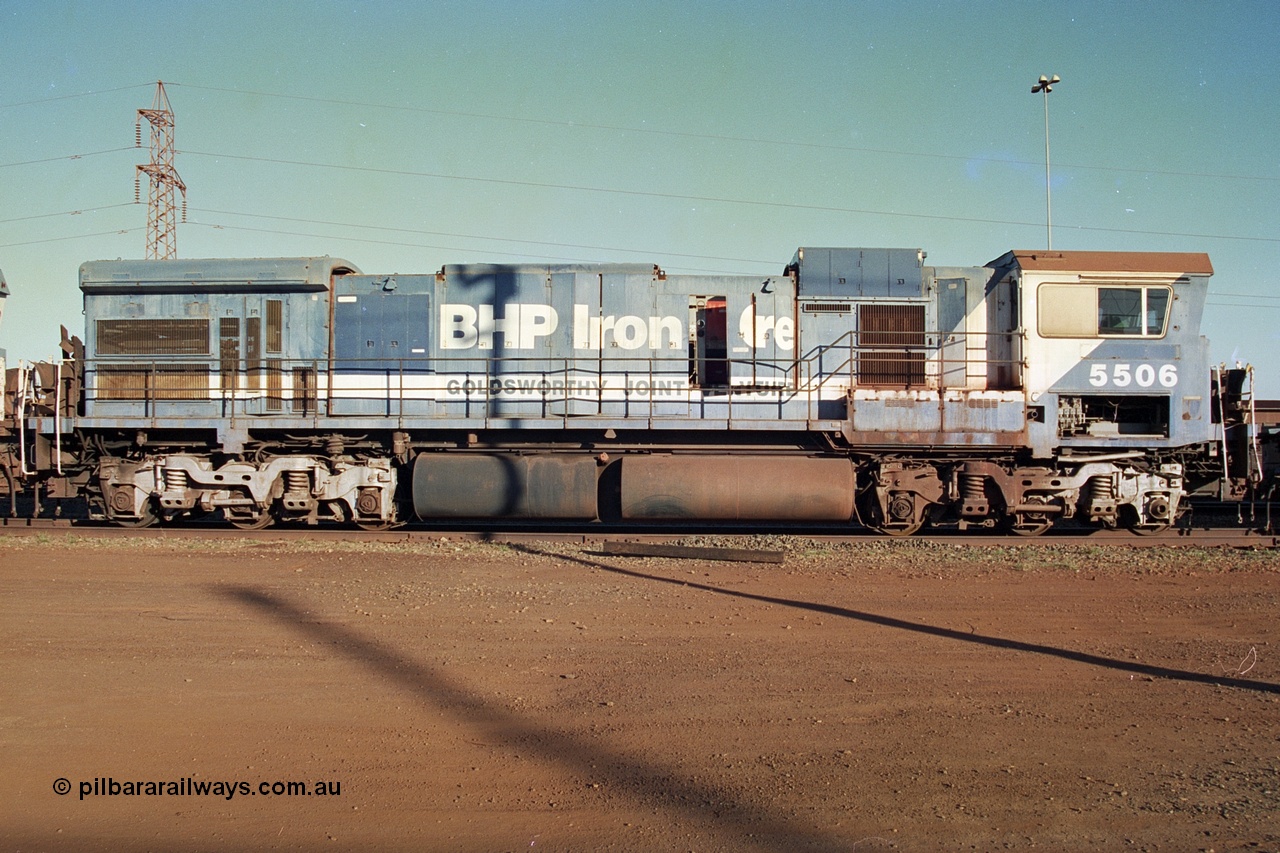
[738, 488]
[504, 485]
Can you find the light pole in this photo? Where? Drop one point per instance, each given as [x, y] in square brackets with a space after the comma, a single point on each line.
[1046, 84]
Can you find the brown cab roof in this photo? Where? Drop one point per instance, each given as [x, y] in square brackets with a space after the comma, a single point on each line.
[1187, 263]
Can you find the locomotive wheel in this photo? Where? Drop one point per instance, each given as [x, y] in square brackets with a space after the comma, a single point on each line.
[1151, 528]
[375, 526]
[251, 523]
[338, 511]
[170, 517]
[901, 530]
[900, 518]
[146, 519]
[1030, 523]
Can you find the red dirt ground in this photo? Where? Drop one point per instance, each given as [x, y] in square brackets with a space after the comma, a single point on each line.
[468, 697]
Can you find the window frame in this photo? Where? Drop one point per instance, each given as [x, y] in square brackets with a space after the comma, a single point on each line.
[1095, 289]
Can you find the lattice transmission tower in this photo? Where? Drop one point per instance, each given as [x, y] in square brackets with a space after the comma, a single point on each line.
[162, 229]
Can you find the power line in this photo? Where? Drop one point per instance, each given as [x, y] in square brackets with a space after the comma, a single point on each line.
[711, 199]
[1212, 299]
[1168, 233]
[71, 237]
[66, 157]
[645, 252]
[69, 97]
[347, 238]
[383, 228]
[604, 190]
[579, 188]
[1242, 305]
[564, 123]
[82, 210]
[718, 137]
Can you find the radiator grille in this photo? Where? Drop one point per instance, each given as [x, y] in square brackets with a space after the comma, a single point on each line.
[891, 343]
[153, 382]
[275, 326]
[304, 390]
[229, 352]
[275, 385]
[253, 353]
[153, 337]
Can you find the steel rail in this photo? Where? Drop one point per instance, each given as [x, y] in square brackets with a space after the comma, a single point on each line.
[1193, 537]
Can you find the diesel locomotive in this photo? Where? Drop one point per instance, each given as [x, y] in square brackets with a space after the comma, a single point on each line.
[857, 386]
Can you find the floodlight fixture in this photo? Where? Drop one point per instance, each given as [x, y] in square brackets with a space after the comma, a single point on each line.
[1045, 84]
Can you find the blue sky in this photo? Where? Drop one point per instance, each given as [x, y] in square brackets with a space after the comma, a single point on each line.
[698, 136]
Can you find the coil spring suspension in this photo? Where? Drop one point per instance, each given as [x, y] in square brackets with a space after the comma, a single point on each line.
[973, 494]
[297, 491]
[297, 481]
[1101, 493]
[175, 479]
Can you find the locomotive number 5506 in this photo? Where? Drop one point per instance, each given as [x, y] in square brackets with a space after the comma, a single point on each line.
[1123, 375]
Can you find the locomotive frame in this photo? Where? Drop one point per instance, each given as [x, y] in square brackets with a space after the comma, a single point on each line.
[858, 386]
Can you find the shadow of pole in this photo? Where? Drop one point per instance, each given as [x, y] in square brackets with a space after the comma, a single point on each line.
[934, 630]
[747, 825]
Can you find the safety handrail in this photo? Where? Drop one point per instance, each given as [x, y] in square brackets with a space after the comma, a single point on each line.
[184, 382]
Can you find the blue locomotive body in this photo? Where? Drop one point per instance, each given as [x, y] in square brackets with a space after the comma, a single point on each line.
[856, 385]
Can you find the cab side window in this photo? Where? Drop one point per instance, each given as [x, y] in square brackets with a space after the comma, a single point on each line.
[1088, 311]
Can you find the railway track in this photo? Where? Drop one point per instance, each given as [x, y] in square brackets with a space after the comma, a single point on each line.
[722, 536]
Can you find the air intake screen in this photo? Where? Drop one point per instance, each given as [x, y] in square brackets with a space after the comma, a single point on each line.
[275, 385]
[275, 326]
[891, 344]
[153, 337]
[304, 390]
[153, 382]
